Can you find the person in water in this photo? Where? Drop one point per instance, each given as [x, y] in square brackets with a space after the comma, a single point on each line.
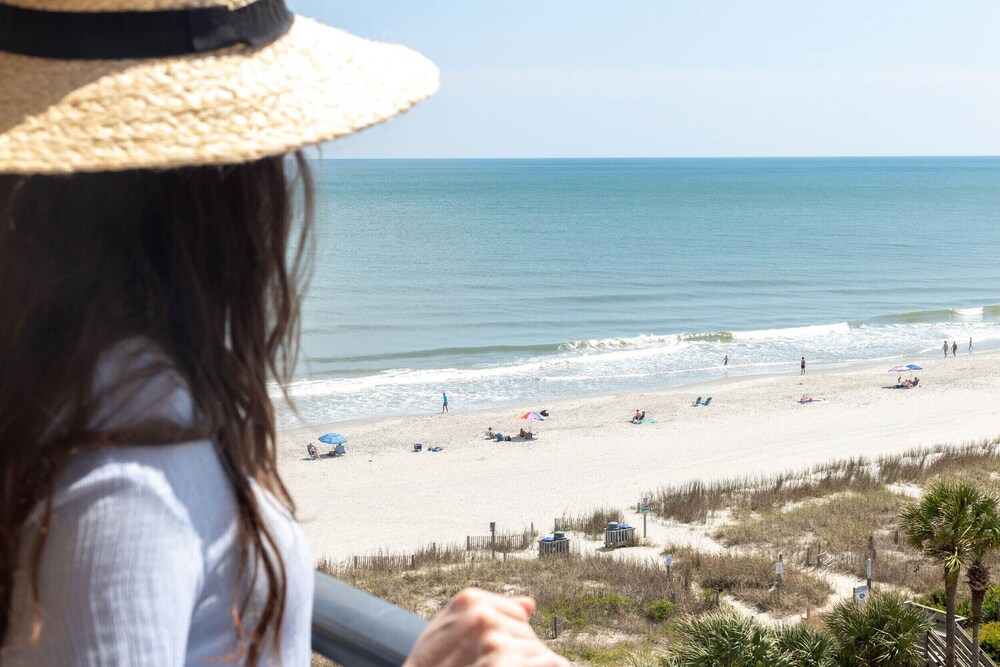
[155, 230]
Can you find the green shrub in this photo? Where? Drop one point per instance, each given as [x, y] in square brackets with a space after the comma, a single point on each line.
[882, 631]
[579, 613]
[989, 639]
[658, 610]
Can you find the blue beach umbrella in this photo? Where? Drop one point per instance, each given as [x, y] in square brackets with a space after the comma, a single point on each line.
[332, 439]
[914, 367]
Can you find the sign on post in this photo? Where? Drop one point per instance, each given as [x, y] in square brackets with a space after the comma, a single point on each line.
[860, 593]
[645, 504]
[668, 560]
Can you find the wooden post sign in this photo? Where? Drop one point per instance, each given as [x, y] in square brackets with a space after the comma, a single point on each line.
[779, 571]
[645, 511]
[668, 560]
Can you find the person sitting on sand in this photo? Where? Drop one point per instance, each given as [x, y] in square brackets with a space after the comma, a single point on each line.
[637, 417]
[489, 433]
[313, 451]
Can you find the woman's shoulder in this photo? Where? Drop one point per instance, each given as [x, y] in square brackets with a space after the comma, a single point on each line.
[184, 484]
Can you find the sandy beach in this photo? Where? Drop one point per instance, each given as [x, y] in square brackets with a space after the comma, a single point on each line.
[382, 495]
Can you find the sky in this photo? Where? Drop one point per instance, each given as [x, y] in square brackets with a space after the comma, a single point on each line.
[687, 78]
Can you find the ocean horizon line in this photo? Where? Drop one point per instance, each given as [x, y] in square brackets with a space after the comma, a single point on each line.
[914, 156]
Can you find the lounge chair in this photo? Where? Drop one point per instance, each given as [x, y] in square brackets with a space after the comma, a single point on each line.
[339, 450]
[312, 451]
[707, 401]
[697, 401]
[417, 447]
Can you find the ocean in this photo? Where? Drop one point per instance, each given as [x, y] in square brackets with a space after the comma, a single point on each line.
[516, 282]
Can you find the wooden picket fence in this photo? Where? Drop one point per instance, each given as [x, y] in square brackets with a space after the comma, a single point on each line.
[432, 555]
[502, 542]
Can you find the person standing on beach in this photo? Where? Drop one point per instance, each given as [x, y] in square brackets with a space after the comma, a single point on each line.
[954, 348]
[970, 346]
[945, 348]
[444, 403]
[802, 366]
[725, 360]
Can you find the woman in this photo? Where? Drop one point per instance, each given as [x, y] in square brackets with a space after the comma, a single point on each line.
[146, 208]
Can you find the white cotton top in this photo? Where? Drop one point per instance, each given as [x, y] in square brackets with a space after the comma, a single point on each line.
[142, 554]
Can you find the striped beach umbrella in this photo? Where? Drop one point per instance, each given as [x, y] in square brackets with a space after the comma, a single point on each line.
[532, 417]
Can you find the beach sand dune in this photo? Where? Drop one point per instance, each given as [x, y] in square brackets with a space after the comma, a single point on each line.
[381, 495]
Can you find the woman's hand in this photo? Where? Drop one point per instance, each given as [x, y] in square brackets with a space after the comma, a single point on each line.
[483, 629]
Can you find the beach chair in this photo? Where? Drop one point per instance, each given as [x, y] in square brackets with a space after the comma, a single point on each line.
[312, 451]
[417, 447]
[697, 402]
[707, 401]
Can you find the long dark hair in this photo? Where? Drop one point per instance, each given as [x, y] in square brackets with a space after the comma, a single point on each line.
[194, 259]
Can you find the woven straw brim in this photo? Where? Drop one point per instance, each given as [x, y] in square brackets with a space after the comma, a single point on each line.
[314, 84]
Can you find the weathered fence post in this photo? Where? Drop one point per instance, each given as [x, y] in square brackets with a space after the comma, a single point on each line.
[468, 542]
[809, 551]
[555, 627]
[493, 539]
[779, 572]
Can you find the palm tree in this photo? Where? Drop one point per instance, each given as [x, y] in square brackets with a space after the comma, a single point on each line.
[882, 632]
[938, 525]
[804, 646]
[725, 638]
[984, 537]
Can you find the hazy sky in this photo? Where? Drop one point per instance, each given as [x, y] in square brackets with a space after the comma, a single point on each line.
[562, 78]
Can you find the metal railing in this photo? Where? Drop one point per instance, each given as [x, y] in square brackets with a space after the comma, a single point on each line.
[356, 629]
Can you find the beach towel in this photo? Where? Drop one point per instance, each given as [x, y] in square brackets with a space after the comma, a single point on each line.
[648, 421]
[435, 449]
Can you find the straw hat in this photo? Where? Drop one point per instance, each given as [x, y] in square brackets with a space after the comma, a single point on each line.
[96, 85]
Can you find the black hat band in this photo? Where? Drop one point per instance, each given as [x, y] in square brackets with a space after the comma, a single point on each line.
[135, 34]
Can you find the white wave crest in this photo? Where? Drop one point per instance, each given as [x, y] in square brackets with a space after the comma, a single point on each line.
[788, 333]
[634, 342]
[969, 313]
